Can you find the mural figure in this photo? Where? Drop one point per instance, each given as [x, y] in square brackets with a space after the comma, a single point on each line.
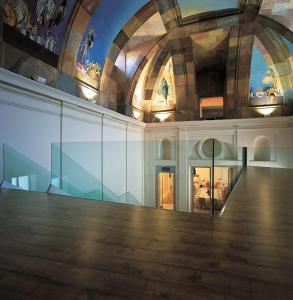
[164, 89]
[271, 81]
[271, 87]
[59, 14]
[17, 15]
[45, 11]
[265, 83]
[165, 96]
[39, 20]
[85, 69]
[50, 42]
[109, 17]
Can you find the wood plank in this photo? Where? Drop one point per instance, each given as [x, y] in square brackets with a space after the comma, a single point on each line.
[55, 247]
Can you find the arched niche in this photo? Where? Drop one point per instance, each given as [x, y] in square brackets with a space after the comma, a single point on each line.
[262, 149]
[206, 148]
[165, 150]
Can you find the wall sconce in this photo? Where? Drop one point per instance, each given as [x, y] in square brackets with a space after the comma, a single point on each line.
[162, 116]
[136, 114]
[266, 110]
[40, 79]
[88, 93]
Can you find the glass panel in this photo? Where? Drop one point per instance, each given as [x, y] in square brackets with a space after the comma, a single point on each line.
[166, 190]
[76, 169]
[23, 172]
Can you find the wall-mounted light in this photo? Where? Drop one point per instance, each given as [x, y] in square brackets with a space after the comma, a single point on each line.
[136, 114]
[162, 116]
[266, 111]
[89, 93]
[40, 79]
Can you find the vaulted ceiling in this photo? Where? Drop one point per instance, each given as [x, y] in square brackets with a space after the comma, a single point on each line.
[131, 36]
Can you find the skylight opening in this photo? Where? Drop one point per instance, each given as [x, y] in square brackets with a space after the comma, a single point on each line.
[189, 8]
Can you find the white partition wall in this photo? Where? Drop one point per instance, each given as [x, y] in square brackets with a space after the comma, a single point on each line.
[50, 137]
[269, 142]
[114, 160]
[81, 152]
[135, 169]
[25, 149]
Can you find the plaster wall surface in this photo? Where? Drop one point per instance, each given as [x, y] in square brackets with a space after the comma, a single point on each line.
[49, 136]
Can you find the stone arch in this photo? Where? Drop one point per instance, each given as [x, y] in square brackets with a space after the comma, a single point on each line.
[122, 38]
[206, 148]
[165, 149]
[262, 149]
[139, 72]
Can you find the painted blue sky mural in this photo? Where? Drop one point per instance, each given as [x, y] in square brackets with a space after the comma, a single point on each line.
[258, 70]
[107, 21]
[265, 84]
[193, 7]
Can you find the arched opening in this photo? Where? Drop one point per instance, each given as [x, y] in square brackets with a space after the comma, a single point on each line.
[165, 150]
[207, 150]
[262, 149]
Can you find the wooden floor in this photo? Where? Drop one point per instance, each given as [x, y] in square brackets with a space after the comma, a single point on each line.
[54, 247]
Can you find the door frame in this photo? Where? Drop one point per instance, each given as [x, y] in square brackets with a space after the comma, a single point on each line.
[193, 174]
[165, 169]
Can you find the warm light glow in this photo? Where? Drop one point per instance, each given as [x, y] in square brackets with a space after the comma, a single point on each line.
[88, 93]
[266, 111]
[136, 114]
[212, 102]
[162, 116]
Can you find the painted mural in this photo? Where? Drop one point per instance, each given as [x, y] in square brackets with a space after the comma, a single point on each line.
[193, 7]
[164, 97]
[265, 84]
[107, 21]
[86, 69]
[289, 45]
[44, 22]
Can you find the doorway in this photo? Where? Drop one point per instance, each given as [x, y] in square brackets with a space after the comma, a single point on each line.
[202, 184]
[166, 188]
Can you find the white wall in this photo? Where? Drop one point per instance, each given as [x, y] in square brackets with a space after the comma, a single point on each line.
[105, 151]
[153, 159]
[81, 147]
[29, 145]
[101, 149]
[135, 170]
[114, 167]
[188, 138]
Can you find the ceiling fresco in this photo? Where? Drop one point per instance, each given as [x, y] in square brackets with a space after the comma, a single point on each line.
[265, 83]
[164, 97]
[43, 22]
[140, 44]
[106, 22]
[193, 7]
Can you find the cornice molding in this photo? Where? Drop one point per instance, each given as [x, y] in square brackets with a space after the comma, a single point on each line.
[12, 82]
